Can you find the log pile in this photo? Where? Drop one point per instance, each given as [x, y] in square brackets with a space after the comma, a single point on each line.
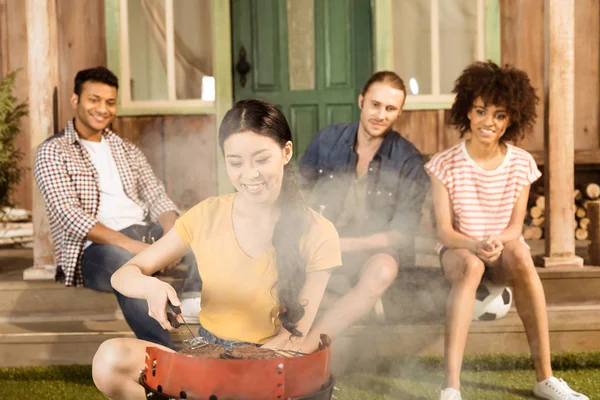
[534, 224]
[594, 232]
[15, 227]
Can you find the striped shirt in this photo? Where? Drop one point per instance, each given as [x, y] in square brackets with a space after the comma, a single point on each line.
[482, 201]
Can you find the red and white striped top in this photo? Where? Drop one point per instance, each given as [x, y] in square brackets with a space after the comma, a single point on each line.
[482, 201]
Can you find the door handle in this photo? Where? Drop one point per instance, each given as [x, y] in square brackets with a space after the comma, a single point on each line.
[242, 66]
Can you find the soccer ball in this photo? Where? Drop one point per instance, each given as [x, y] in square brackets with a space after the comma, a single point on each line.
[492, 301]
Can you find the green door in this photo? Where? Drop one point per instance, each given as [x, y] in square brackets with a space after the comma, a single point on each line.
[309, 57]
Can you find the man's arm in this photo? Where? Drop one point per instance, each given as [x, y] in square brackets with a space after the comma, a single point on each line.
[103, 235]
[59, 193]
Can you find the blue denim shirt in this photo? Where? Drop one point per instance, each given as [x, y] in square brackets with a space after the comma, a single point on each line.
[396, 180]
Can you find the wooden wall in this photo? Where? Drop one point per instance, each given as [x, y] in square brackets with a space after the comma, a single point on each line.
[181, 149]
[81, 44]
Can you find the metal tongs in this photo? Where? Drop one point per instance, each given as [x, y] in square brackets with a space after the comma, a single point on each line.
[196, 341]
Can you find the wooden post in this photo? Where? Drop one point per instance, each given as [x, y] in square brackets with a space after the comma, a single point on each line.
[559, 149]
[3, 39]
[43, 77]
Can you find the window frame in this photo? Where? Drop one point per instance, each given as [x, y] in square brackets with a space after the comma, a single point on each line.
[117, 47]
[487, 46]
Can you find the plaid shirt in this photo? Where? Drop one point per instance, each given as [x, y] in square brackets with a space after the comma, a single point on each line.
[68, 182]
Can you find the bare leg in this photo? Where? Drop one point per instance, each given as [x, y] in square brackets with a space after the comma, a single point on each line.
[519, 271]
[116, 368]
[376, 276]
[464, 270]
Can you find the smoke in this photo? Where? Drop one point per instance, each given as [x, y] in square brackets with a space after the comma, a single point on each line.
[413, 306]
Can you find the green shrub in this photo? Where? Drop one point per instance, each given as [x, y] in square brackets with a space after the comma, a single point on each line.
[11, 113]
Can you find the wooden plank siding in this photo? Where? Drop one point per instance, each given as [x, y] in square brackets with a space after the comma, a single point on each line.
[522, 45]
[587, 78]
[181, 151]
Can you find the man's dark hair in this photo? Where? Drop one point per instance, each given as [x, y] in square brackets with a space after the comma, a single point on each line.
[98, 74]
[505, 86]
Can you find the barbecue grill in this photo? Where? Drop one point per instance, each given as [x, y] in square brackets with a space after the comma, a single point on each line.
[174, 376]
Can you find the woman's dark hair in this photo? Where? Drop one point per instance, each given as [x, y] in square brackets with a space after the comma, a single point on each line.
[505, 86]
[265, 119]
[98, 74]
[388, 77]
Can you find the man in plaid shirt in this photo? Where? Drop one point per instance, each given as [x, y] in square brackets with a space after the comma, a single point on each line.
[103, 201]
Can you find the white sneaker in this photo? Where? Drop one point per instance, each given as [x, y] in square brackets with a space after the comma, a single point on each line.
[450, 394]
[190, 308]
[556, 389]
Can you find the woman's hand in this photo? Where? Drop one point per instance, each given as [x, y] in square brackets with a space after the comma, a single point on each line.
[157, 294]
[282, 341]
[489, 250]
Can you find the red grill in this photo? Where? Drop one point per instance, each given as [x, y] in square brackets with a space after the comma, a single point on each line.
[178, 376]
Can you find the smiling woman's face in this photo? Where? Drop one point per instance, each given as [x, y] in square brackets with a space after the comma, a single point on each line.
[255, 165]
[488, 121]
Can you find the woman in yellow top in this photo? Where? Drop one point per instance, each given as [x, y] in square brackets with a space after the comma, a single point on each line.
[264, 257]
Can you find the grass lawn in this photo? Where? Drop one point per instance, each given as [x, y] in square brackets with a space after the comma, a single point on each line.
[488, 377]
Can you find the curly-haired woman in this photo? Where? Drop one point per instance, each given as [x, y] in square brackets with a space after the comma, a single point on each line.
[480, 190]
[264, 257]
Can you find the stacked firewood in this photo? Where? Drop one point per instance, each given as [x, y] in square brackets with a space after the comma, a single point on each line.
[15, 227]
[533, 227]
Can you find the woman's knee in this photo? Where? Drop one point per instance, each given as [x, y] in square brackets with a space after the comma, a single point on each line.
[379, 273]
[472, 270]
[110, 364]
[516, 259]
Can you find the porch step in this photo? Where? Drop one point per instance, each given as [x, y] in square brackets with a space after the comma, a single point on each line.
[574, 328]
[75, 342]
[36, 299]
[61, 342]
[567, 286]
[21, 298]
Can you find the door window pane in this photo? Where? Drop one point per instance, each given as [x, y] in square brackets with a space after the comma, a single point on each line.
[301, 44]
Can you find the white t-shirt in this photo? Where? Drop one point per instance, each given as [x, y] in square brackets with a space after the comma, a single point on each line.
[115, 211]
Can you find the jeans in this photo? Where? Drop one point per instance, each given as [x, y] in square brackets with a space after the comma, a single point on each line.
[100, 261]
[228, 344]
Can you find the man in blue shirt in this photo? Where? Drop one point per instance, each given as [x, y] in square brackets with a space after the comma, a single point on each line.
[370, 182]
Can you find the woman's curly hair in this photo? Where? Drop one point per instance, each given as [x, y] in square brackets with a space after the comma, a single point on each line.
[506, 86]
